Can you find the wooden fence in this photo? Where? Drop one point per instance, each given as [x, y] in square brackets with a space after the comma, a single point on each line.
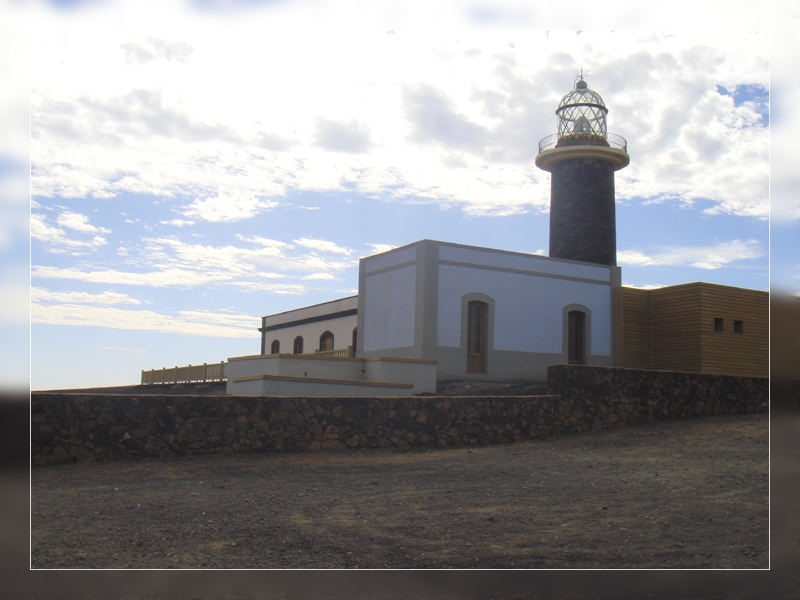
[188, 374]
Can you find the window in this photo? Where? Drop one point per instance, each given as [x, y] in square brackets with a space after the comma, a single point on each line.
[298, 345]
[276, 347]
[718, 324]
[738, 327]
[477, 325]
[355, 339]
[326, 341]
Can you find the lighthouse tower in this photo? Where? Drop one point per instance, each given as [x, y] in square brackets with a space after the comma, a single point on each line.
[581, 159]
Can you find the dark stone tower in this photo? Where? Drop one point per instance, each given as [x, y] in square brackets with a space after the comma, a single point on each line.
[582, 158]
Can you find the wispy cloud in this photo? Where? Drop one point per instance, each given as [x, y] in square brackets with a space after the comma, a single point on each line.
[103, 298]
[203, 324]
[79, 222]
[323, 246]
[178, 222]
[378, 248]
[164, 278]
[228, 208]
[156, 49]
[57, 238]
[700, 257]
[319, 277]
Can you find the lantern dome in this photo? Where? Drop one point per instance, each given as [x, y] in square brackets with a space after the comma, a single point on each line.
[582, 116]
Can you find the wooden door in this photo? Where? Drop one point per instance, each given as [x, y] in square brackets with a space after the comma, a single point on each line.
[326, 341]
[576, 336]
[477, 326]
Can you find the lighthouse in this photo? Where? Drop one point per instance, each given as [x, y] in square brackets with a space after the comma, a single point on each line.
[582, 158]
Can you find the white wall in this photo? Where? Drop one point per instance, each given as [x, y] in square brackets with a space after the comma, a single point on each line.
[316, 310]
[527, 308]
[525, 262]
[388, 305]
[340, 327]
[391, 258]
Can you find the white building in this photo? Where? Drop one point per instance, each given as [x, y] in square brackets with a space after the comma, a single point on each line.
[435, 311]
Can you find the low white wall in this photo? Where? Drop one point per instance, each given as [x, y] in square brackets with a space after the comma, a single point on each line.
[281, 387]
[421, 375]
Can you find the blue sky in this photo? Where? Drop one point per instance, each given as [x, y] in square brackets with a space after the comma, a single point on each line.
[193, 172]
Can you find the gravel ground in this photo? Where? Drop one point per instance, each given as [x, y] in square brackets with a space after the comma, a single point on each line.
[676, 494]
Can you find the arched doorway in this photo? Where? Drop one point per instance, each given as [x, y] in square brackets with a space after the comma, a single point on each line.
[576, 337]
[298, 345]
[276, 347]
[326, 341]
[477, 330]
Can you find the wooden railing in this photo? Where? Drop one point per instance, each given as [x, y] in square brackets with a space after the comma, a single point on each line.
[337, 353]
[188, 374]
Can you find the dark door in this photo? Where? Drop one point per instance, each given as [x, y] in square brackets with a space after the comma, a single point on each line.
[576, 335]
[326, 341]
[477, 325]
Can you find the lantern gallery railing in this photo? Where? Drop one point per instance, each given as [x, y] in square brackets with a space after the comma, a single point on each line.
[612, 139]
[188, 374]
[337, 353]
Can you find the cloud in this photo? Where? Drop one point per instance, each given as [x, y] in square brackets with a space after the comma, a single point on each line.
[281, 289]
[163, 278]
[79, 222]
[58, 239]
[645, 286]
[342, 137]
[170, 262]
[178, 222]
[378, 248]
[319, 277]
[103, 299]
[700, 257]
[197, 323]
[433, 118]
[228, 208]
[225, 318]
[323, 246]
[156, 49]
[448, 117]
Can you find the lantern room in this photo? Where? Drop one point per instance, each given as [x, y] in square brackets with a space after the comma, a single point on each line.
[582, 116]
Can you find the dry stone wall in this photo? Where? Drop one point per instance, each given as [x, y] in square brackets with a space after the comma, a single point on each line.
[83, 427]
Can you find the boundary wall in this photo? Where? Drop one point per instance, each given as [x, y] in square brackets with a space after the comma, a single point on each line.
[83, 427]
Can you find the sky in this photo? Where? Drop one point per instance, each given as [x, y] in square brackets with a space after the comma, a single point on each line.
[197, 165]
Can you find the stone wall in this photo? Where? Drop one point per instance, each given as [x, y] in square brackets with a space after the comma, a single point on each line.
[70, 427]
[609, 396]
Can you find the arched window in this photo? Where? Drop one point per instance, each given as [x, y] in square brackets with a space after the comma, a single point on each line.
[298, 345]
[477, 328]
[576, 337]
[355, 339]
[326, 341]
[276, 347]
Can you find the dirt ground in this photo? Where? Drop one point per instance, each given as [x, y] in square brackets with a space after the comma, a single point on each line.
[676, 494]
